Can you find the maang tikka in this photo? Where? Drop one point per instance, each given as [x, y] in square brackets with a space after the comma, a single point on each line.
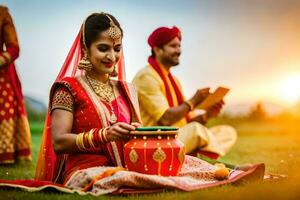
[114, 31]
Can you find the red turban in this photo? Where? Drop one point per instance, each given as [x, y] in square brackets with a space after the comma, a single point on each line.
[163, 35]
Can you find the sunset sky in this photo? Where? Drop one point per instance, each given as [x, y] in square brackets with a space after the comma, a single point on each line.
[250, 46]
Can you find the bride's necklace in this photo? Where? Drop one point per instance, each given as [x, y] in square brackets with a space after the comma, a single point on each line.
[106, 92]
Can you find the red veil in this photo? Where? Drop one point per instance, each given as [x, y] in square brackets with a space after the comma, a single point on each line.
[48, 162]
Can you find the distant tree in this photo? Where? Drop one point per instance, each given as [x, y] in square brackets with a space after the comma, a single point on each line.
[292, 113]
[34, 112]
[34, 115]
[258, 112]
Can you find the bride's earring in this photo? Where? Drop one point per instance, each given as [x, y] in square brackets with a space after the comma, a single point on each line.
[85, 63]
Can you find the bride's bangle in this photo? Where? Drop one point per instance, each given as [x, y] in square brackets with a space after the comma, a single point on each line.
[2, 61]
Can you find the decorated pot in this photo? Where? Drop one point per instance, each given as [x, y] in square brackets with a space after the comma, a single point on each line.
[154, 150]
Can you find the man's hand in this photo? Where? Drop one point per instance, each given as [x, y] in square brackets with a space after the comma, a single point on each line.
[214, 110]
[202, 119]
[199, 96]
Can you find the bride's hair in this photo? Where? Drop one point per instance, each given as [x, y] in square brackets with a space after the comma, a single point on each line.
[97, 23]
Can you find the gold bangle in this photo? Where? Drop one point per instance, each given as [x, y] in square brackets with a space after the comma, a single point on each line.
[79, 142]
[2, 61]
[100, 136]
[90, 138]
[104, 134]
[7, 57]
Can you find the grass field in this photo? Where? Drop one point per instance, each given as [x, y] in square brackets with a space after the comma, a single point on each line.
[273, 142]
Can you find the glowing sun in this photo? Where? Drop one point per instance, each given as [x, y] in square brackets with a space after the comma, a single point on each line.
[290, 89]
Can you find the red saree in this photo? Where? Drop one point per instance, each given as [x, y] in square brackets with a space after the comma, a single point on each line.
[90, 112]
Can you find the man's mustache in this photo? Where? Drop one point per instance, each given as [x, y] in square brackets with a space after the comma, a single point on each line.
[176, 54]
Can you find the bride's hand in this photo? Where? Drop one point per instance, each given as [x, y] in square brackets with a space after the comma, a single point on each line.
[136, 124]
[119, 131]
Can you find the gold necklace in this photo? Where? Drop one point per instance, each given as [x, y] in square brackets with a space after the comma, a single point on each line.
[106, 92]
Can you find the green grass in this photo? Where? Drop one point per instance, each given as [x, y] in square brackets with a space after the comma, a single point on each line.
[276, 144]
[36, 127]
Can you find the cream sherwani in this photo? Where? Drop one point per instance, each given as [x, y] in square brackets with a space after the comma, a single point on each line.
[153, 104]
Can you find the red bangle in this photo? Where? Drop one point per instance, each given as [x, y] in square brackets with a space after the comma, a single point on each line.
[96, 137]
[85, 142]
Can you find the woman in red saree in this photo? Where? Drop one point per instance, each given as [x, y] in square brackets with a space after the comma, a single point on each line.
[91, 115]
[87, 104]
[14, 127]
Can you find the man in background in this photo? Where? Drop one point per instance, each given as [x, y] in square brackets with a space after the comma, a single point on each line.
[162, 102]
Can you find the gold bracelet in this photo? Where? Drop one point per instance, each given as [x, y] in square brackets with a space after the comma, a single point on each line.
[2, 61]
[79, 142]
[7, 57]
[104, 134]
[90, 138]
[100, 135]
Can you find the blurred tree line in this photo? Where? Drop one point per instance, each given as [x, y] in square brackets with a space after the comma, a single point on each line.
[36, 111]
[259, 113]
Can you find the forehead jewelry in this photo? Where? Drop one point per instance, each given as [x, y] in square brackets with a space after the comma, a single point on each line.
[114, 31]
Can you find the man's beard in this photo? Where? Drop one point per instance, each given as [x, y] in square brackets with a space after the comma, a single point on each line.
[170, 61]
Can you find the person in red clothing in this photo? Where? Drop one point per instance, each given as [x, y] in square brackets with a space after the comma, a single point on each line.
[14, 127]
[97, 110]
